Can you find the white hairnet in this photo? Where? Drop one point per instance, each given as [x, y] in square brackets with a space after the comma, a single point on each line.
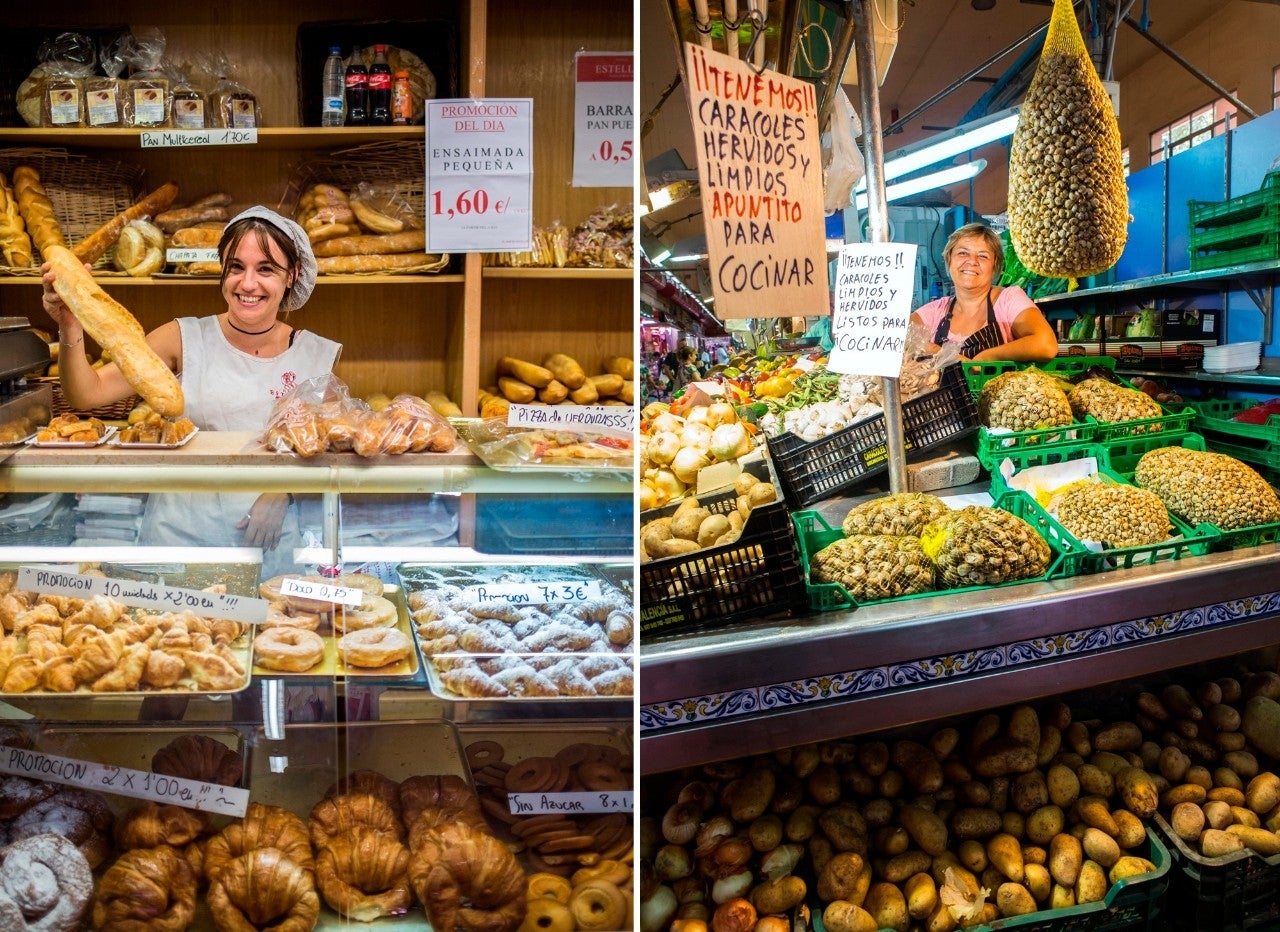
[306, 280]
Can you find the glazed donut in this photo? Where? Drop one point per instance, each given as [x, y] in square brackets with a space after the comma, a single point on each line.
[444, 791]
[18, 794]
[483, 753]
[146, 888]
[151, 824]
[291, 650]
[262, 827]
[339, 815]
[368, 781]
[80, 816]
[264, 889]
[363, 875]
[537, 775]
[374, 647]
[467, 879]
[602, 776]
[279, 618]
[374, 612]
[199, 757]
[49, 880]
[549, 886]
[366, 583]
[547, 915]
[597, 905]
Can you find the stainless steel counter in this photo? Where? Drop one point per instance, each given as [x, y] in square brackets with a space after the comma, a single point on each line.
[776, 683]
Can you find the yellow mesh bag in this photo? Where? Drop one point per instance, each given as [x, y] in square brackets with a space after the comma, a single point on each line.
[1068, 204]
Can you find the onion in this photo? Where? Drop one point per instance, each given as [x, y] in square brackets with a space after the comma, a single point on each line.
[713, 831]
[672, 862]
[697, 415]
[781, 861]
[736, 915]
[696, 435]
[731, 887]
[666, 421]
[662, 446]
[651, 496]
[687, 463]
[665, 481]
[721, 412]
[680, 824]
[729, 441]
[656, 912]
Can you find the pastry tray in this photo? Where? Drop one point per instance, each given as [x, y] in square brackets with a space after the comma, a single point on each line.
[473, 432]
[415, 577]
[332, 665]
[117, 442]
[60, 444]
[21, 442]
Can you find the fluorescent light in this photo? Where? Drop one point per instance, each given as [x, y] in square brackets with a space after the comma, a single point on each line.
[689, 257]
[947, 176]
[949, 144]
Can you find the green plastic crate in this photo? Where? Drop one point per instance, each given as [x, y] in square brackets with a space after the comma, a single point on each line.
[1260, 252]
[1215, 416]
[813, 533]
[1243, 233]
[1172, 422]
[993, 447]
[980, 373]
[1080, 559]
[1237, 209]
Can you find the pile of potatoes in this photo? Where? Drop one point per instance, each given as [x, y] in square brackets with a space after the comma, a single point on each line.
[693, 526]
[1016, 813]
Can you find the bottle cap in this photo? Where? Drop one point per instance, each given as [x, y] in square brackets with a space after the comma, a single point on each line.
[335, 50]
[379, 48]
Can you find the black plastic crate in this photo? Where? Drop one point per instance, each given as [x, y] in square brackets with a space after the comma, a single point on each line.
[758, 574]
[1232, 893]
[812, 471]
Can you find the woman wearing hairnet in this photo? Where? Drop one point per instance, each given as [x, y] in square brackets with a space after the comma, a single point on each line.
[233, 367]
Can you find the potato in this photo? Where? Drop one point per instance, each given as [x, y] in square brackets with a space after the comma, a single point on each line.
[873, 757]
[1062, 897]
[925, 828]
[1226, 778]
[1094, 781]
[1094, 811]
[847, 829]
[1063, 785]
[1050, 744]
[1199, 775]
[655, 532]
[1076, 737]
[1137, 791]
[921, 894]
[974, 822]
[712, 528]
[1013, 823]
[973, 855]
[673, 547]
[981, 731]
[1215, 843]
[1217, 814]
[1065, 857]
[1243, 762]
[901, 866]
[1242, 815]
[1091, 885]
[1005, 853]
[1263, 793]
[918, 765]
[1261, 840]
[943, 742]
[878, 813]
[686, 522]
[1226, 794]
[1231, 689]
[1013, 899]
[891, 840]
[1034, 854]
[762, 493]
[1024, 726]
[1118, 736]
[1029, 792]
[824, 784]
[779, 895]
[843, 916]
[1044, 824]
[1183, 793]
[1180, 703]
[1099, 846]
[566, 369]
[886, 903]
[1038, 882]
[1110, 762]
[1001, 756]
[1222, 717]
[1150, 705]
[1129, 866]
[787, 794]
[1187, 821]
[1173, 764]
[941, 919]
[802, 822]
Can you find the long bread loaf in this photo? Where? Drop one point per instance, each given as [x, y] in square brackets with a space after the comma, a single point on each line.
[95, 245]
[15, 244]
[36, 209]
[116, 330]
[372, 244]
[331, 265]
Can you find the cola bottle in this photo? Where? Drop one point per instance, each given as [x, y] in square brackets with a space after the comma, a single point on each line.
[357, 88]
[380, 88]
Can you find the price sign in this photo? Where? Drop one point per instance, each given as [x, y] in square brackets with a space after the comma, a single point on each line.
[479, 175]
[525, 804]
[139, 594]
[603, 120]
[321, 592]
[536, 593]
[611, 420]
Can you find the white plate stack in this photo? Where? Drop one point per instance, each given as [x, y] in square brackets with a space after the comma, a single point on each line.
[1233, 357]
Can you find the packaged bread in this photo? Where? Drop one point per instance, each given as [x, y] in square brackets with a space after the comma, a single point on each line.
[102, 101]
[372, 245]
[140, 249]
[337, 265]
[146, 100]
[15, 244]
[62, 103]
[209, 209]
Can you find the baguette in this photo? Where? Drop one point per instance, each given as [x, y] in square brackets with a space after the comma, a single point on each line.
[332, 265]
[373, 245]
[526, 372]
[117, 331]
[94, 246]
[15, 244]
[567, 369]
[36, 209]
[171, 221]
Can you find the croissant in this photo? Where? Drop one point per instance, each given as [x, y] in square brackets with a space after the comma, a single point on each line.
[146, 888]
[199, 757]
[152, 824]
[363, 875]
[431, 819]
[368, 781]
[339, 815]
[127, 673]
[467, 879]
[262, 889]
[435, 791]
[262, 827]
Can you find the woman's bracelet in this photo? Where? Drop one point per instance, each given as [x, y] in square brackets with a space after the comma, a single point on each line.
[70, 345]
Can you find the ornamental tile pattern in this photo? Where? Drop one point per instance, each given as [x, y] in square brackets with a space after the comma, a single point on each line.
[664, 715]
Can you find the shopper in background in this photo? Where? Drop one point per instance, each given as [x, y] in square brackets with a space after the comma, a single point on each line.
[233, 367]
[988, 321]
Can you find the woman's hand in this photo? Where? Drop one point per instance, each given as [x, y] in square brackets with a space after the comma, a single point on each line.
[262, 524]
[69, 330]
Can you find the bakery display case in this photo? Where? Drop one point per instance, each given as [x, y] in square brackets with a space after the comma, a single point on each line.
[205, 752]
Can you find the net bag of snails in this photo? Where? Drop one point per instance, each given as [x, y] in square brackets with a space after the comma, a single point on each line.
[1068, 205]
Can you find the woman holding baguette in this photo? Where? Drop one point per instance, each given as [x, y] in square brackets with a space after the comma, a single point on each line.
[233, 366]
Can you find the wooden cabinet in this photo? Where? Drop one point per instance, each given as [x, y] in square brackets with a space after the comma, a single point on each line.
[399, 332]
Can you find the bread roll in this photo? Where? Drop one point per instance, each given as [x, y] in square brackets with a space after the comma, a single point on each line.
[95, 245]
[36, 210]
[15, 244]
[197, 237]
[380, 245]
[116, 331]
[140, 249]
[173, 220]
[339, 264]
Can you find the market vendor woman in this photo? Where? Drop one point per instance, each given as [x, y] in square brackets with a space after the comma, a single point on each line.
[989, 322]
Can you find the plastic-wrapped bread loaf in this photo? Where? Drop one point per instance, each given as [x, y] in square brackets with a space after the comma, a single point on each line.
[36, 210]
[373, 244]
[116, 330]
[401, 260]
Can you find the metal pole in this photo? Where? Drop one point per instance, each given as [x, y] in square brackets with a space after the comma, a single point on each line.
[878, 217]
[1217, 88]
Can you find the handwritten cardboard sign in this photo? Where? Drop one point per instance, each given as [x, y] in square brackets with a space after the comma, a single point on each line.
[140, 594]
[759, 163]
[873, 307]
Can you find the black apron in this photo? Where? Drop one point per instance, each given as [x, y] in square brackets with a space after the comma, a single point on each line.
[989, 337]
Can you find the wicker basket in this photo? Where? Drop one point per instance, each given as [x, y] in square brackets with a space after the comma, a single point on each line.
[396, 163]
[117, 411]
[86, 192]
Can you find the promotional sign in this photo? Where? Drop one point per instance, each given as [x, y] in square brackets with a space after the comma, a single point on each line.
[139, 594]
[603, 120]
[874, 287]
[479, 183]
[760, 168]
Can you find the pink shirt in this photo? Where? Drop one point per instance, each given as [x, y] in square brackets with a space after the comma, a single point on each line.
[1009, 303]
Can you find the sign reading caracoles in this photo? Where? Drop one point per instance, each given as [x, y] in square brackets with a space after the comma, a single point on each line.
[873, 308]
[759, 163]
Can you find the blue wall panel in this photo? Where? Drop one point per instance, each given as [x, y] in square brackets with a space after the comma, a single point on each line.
[1142, 250]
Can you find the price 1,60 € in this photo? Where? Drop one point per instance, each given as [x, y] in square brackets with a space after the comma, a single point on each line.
[468, 202]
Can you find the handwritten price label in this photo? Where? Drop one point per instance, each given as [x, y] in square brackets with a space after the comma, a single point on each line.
[578, 802]
[479, 175]
[603, 120]
[139, 594]
[136, 784]
[536, 593]
[321, 592]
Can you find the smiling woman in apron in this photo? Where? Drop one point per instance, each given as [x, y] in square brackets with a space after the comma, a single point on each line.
[989, 322]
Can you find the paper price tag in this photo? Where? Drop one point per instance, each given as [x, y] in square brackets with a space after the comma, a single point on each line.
[321, 592]
[479, 181]
[613, 420]
[137, 784]
[175, 138]
[873, 308]
[191, 255]
[603, 120]
[140, 594]
[570, 803]
[536, 593]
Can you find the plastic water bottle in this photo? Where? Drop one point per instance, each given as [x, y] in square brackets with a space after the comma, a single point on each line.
[357, 88]
[332, 89]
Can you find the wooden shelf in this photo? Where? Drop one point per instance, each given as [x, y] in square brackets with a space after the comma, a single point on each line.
[584, 274]
[310, 138]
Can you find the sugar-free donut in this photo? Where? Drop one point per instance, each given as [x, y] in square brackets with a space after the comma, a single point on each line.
[290, 650]
[374, 612]
[50, 881]
[363, 875]
[483, 753]
[467, 879]
[374, 647]
[547, 915]
[264, 889]
[597, 905]
[537, 775]
[601, 776]
[146, 888]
